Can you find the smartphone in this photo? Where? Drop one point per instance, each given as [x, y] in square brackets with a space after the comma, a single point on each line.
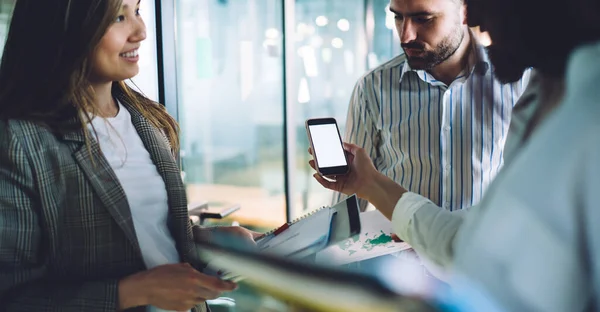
[326, 142]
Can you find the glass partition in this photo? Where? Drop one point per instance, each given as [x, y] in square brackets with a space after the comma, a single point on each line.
[6, 7]
[336, 42]
[147, 80]
[230, 103]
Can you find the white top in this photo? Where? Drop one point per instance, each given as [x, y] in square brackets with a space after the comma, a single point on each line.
[534, 243]
[444, 142]
[144, 187]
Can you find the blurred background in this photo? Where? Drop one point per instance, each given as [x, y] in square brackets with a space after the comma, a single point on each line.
[241, 77]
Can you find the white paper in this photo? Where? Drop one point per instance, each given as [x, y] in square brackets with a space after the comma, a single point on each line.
[373, 241]
[306, 233]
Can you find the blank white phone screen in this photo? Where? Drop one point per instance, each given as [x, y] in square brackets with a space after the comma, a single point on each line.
[328, 149]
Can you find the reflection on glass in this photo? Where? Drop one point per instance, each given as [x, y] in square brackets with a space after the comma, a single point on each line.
[6, 7]
[147, 80]
[230, 80]
[337, 41]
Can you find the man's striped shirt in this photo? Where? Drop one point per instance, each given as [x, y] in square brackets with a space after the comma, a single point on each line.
[443, 142]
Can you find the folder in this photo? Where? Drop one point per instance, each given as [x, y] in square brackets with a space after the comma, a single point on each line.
[309, 286]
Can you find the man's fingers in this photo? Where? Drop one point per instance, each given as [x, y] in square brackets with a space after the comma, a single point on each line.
[351, 147]
[325, 183]
[310, 150]
[312, 164]
[396, 238]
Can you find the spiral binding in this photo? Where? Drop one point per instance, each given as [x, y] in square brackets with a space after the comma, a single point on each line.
[296, 220]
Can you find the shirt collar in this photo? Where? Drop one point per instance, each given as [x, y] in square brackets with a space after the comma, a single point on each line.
[478, 62]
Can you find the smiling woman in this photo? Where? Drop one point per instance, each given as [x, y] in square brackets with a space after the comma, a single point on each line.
[79, 152]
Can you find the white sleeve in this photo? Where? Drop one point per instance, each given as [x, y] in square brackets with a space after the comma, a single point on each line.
[429, 229]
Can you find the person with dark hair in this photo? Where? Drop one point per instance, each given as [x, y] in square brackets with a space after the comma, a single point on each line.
[531, 244]
[434, 119]
[93, 210]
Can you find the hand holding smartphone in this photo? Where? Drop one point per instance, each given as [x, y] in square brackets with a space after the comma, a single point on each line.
[326, 143]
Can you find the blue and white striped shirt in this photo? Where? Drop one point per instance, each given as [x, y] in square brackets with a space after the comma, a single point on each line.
[443, 142]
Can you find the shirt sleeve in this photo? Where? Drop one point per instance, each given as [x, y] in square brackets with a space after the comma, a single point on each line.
[360, 130]
[429, 229]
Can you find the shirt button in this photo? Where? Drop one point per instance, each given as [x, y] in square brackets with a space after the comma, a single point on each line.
[447, 128]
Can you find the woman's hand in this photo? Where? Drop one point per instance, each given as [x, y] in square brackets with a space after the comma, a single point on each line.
[207, 233]
[174, 287]
[361, 175]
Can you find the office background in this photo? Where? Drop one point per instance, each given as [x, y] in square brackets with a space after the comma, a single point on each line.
[241, 76]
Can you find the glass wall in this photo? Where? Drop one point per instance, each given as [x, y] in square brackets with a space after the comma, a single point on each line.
[230, 98]
[230, 59]
[231, 89]
[330, 53]
[147, 80]
[6, 7]
[336, 42]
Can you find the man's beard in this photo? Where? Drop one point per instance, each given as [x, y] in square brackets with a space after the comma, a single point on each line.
[429, 59]
[508, 67]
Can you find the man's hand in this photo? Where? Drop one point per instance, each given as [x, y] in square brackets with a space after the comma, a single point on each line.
[364, 180]
[361, 175]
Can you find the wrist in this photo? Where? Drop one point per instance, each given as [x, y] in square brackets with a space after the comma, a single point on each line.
[384, 194]
[131, 292]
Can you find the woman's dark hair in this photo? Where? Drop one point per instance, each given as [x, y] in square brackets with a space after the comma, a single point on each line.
[537, 33]
[46, 64]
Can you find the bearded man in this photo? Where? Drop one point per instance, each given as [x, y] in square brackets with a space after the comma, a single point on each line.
[435, 118]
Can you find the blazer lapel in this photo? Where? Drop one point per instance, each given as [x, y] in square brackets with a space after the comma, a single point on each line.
[158, 147]
[104, 181]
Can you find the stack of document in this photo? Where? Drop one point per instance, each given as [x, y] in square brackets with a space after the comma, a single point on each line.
[312, 287]
[302, 238]
[305, 236]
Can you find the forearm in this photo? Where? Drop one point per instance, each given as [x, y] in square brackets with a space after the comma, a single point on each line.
[429, 229]
[383, 193]
[130, 293]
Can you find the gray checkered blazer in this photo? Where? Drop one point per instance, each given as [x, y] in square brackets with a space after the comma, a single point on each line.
[66, 232]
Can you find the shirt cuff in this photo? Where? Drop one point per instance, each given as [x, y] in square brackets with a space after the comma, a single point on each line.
[403, 213]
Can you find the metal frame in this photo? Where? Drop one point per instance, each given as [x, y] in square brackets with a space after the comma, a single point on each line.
[290, 96]
[166, 54]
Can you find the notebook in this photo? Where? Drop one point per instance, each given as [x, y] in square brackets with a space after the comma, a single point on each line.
[314, 231]
[301, 238]
[304, 236]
